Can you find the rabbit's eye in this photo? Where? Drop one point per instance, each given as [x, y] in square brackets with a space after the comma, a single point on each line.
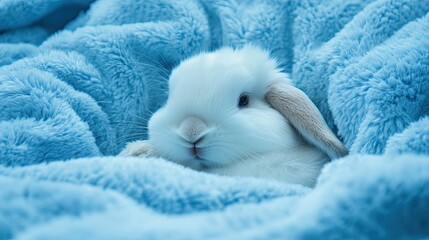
[243, 101]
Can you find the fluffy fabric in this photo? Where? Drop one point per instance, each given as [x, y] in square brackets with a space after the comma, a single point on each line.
[86, 90]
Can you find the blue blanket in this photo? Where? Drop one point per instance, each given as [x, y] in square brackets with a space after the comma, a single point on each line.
[79, 79]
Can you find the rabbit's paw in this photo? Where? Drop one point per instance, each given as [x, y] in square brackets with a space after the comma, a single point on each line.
[138, 149]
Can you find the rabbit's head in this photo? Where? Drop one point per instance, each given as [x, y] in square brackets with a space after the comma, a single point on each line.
[230, 105]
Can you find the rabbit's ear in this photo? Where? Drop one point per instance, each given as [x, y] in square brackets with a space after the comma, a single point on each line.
[301, 112]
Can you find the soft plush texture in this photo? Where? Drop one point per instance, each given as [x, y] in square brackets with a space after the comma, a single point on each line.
[79, 79]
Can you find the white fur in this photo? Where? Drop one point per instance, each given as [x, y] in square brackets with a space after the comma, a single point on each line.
[301, 165]
[138, 149]
[252, 141]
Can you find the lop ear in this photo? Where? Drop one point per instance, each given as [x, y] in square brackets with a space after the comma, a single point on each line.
[301, 112]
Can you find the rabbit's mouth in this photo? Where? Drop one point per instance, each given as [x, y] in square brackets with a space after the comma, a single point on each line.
[196, 153]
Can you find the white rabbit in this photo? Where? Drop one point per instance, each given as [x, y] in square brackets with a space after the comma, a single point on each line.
[233, 112]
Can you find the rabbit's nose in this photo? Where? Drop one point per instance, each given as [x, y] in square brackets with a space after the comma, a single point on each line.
[192, 129]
